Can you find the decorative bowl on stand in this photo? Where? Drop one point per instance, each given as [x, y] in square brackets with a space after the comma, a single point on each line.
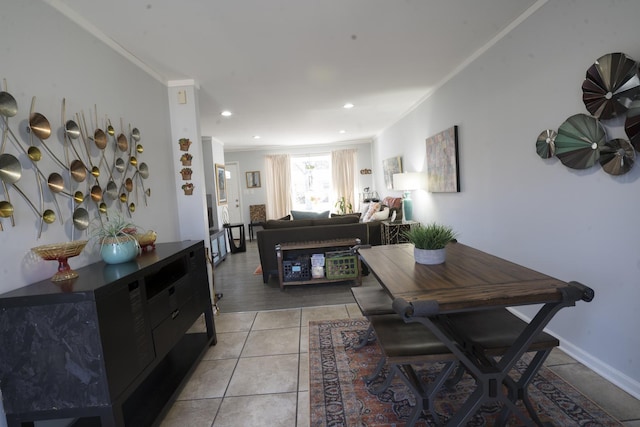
[61, 252]
[147, 240]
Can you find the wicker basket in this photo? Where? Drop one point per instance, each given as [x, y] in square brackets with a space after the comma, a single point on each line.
[341, 265]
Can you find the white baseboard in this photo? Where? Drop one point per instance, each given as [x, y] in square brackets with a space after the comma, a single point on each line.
[612, 375]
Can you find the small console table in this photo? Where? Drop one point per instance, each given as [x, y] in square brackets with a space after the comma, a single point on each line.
[112, 349]
[242, 242]
[392, 231]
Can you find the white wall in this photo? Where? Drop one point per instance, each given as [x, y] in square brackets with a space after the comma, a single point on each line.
[255, 161]
[47, 56]
[573, 225]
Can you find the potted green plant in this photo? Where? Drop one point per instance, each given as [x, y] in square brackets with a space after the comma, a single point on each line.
[343, 207]
[116, 236]
[430, 242]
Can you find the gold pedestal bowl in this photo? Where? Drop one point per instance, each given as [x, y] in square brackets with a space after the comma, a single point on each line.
[61, 252]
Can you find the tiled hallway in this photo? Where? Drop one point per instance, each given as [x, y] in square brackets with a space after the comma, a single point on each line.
[257, 374]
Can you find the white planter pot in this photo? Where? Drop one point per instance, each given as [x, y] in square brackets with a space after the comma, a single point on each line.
[429, 256]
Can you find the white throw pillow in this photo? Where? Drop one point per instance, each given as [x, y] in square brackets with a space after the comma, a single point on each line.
[364, 208]
[381, 215]
[373, 208]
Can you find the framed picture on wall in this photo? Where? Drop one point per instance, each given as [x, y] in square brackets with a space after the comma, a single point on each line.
[442, 161]
[253, 179]
[389, 167]
[221, 184]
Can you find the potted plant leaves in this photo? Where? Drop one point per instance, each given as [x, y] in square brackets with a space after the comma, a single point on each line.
[430, 242]
[116, 237]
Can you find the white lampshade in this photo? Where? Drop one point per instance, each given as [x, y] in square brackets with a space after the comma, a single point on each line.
[408, 181]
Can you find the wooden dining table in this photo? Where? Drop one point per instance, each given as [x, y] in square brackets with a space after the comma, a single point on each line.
[472, 280]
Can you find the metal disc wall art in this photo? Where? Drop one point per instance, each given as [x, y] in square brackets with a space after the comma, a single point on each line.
[80, 166]
[546, 144]
[611, 84]
[617, 156]
[632, 124]
[579, 141]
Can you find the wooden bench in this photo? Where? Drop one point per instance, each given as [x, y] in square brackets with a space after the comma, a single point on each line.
[487, 333]
[372, 301]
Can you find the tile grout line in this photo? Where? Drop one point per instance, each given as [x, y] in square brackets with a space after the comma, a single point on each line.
[235, 366]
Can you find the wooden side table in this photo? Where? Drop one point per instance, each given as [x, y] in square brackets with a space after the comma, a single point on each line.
[242, 242]
[393, 231]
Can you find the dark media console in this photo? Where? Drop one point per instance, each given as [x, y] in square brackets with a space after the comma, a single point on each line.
[114, 347]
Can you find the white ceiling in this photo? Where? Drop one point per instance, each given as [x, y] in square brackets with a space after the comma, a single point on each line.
[285, 68]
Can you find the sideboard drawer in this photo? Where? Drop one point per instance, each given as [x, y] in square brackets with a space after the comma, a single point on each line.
[169, 331]
[171, 298]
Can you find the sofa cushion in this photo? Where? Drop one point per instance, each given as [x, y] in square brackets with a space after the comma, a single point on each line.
[356, 214]
[276, 223]
[309, 215]
[345, 219]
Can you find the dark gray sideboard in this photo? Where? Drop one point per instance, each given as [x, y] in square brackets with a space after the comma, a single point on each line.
[112, 348]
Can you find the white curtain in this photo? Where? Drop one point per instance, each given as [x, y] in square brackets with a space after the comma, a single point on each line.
[343, 174]
[278, 183]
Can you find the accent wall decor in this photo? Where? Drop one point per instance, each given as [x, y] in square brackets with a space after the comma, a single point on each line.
[253, 179]
[221, 184]
[442, 162]
[579, 142]
[98, 166]
[611, 94]
[389, 167]
[186, 172]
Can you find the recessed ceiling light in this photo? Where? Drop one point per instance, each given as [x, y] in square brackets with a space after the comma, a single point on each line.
[226, 113]
[256, 136]
[343, 131]
[348, 105]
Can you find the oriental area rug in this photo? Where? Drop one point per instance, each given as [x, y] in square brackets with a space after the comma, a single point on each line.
[339, 396]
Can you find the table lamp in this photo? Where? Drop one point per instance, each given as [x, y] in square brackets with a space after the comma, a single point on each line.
[407, 182]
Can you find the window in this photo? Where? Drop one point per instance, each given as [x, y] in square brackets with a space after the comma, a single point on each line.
[311, 182]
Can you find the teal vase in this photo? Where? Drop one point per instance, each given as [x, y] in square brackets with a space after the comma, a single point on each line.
[118, 252]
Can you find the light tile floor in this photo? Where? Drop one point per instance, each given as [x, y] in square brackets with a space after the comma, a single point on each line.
[258, 374]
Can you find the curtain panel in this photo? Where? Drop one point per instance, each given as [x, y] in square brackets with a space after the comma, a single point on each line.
[343, 174]
[278, 185]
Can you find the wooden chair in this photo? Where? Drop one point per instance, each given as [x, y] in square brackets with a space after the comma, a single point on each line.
[257, 217]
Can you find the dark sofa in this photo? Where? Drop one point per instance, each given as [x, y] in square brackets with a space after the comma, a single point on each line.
[276, 232]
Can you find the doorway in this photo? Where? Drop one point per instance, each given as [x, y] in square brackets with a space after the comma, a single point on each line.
[234, 204]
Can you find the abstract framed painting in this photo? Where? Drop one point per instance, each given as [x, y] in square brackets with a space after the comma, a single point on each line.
[221, 185]
[442, 162]
[389, 167]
